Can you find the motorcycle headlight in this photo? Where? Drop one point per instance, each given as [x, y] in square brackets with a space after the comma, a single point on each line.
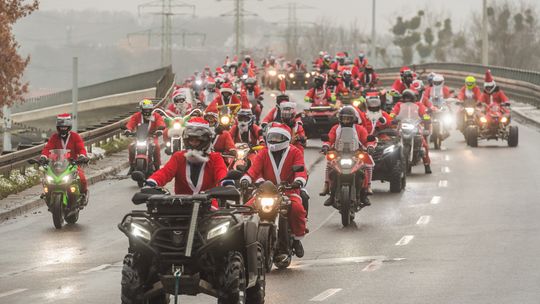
[168, 144]
[407, 126]
[308, 75]
[448, 119]
[245, 76]
[504, 119]
[272, 73]
[141, 144]
[225, 120]
[470, 111]
[389, 149]
[346, 162]
[356, 103]
[483, 119]
[198, 82]
[218, 230]
[137, 230]
[177, 125]
[291, 75]
[66, 179]
[267, 204]
[50, 179]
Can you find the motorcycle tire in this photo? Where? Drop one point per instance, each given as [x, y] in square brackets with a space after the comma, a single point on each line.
[57, 210]
[472, 137]
[408, 166]
[255, 294]
[436, 137]
[345, 206]
[284, 248]
[513, 136]
[133, 288]
[233, 290]
[266, 239]
[396, 179]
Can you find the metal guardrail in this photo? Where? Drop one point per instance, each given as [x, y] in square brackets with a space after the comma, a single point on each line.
[518, 84]
[18, 160]
[121, 85]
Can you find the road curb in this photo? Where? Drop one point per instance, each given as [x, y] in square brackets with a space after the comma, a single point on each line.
[521, 116]
[36, 202]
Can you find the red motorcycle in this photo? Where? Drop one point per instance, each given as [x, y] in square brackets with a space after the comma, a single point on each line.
[493, 123]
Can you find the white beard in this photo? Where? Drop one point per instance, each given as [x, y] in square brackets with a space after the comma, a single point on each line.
[374, 116]
[195, 157]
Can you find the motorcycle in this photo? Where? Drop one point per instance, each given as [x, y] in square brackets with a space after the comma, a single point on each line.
[143, 163]
[411, 134]
[467, 114]
[173, 134]
[180, 246]
[494, 124]
[255, 103]
[61, 187]
[275, 236]
[390, 160]
[227, 115]
[441, 121]
[347, 163]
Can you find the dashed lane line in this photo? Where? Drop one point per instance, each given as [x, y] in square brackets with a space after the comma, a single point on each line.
[435, 200]
[12, 292]
[325, 294]
[445, 169]
[374, 265]
[423, 220]
[97, 268]
[405, 240]
[311, 232]
[447, 157]
[443, 183]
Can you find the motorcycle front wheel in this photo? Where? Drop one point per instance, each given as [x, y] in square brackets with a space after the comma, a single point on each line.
[57, 210]
[345, 203]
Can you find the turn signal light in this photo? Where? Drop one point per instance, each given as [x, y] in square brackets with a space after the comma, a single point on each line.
[331, 156]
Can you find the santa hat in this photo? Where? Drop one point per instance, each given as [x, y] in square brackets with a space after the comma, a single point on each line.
[235, 60]
[226, 87]
[210, 80]
[64, 120]
[282, 86]
[340, 55]
[177, 92]
[488, 79]
[287, 104]
[198, 122]
[403, 69]
[280, 128]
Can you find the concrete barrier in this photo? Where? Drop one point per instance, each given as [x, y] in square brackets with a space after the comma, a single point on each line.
[86, 105]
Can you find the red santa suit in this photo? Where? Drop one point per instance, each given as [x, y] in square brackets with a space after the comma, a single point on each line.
[498, 96]
[433, 92]
[371, 121]
[210, 175]
[223, 142]
[218, 101]
[399, 86]
[75, 144]
[264, 167]
[465, 93]
[156, 123]
[319, 97]
[360, 64]
[368, 79]
[253, 135]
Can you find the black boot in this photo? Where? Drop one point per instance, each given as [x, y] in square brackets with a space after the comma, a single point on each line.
[427, 169]
[84, 199]
[131, 168]
[326, 190]
[329, 201]
[364, 199]
[298, 248]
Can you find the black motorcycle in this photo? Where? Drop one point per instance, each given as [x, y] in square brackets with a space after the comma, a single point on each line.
[179, 246]
[144, 147]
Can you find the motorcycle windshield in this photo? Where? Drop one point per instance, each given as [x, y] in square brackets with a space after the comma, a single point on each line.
[408, 112]
[346, 140]
[59, 159]
[142, 132]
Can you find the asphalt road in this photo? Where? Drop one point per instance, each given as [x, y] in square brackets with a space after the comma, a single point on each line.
[468, 233]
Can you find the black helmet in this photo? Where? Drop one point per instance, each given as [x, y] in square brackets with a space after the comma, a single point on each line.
[298, 61]
[408, 96]
[347, 116]
[319, 81]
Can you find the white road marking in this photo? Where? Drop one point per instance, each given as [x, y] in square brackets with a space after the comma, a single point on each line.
[423, 220]
[325, 294]
[336, 261]
[435, 200]
[98, 268]
[445, 170]
[447, 157]
[12, 292]
[443, 183]
[322, 224]
[374, 265]
[405, 240]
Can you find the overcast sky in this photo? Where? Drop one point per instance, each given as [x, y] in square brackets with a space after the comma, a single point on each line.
[341, 11]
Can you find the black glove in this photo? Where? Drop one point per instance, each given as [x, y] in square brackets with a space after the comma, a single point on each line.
[43, 159]
[297, 184]
[158, 133]
[382, 120]
[127, 132]
[82, 159]
[325, 149]
[150, 183]
[371, 138]
[370, 150]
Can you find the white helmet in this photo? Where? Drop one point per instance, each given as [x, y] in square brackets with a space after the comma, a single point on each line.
[438, 80]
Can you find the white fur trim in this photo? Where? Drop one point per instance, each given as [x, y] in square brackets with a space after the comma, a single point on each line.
[280, 131]
[195, 156]
[152, 180]
[287, 104]
[246, 177]
[302, 180]
[222, 90]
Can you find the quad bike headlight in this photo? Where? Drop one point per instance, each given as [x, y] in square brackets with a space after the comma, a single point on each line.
[267, 204]
[218, 230]
[470, 111]
[141, 143]
[272, 73]
[504, 119]
[291, 75]
[308, 75]
[139, 231]
[483, 119]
